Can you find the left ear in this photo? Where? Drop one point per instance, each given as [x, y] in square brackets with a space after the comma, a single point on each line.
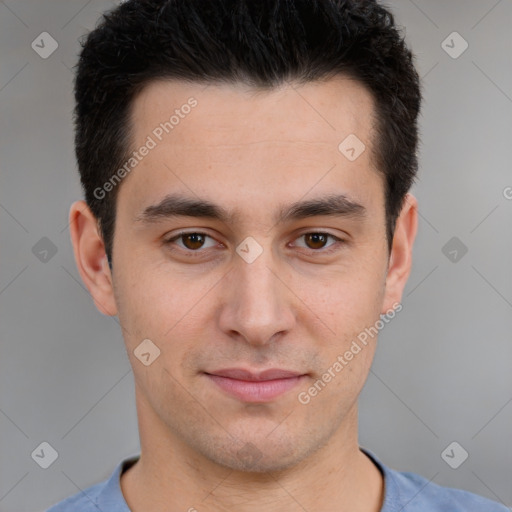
[400, 260]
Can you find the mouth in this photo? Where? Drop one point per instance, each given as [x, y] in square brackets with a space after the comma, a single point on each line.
[255, 387]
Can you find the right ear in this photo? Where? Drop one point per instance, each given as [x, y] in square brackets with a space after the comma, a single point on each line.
[90, 257]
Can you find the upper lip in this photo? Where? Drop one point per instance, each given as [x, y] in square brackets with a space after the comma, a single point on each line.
[241, 374]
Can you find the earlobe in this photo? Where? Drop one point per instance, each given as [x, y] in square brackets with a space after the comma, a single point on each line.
[90, 257]
[400, 261]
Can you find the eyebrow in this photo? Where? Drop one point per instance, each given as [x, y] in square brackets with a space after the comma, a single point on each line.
[175, 205]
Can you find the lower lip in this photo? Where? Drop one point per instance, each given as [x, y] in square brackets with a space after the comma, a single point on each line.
[255, 391]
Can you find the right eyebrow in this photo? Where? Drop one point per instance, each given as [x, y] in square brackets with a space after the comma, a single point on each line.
[175, 205]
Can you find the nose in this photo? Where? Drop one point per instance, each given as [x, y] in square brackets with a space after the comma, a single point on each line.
[256, 305]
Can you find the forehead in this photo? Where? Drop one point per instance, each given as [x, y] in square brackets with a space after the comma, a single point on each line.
[311, 111]
[236, 142]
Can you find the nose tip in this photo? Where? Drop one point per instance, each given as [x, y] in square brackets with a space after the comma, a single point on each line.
[257, 306]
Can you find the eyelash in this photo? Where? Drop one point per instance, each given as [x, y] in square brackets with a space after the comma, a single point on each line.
[191, 253]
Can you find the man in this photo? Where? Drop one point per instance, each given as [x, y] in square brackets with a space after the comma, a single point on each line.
[246, 167]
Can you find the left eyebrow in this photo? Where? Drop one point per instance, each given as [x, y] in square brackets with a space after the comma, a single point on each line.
[176, 205]
[334, 205]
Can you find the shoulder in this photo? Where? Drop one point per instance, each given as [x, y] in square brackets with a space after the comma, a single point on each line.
[83, 501]
[410, 492]
[104, 496]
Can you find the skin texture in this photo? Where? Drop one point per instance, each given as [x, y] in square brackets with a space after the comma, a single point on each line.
[294, 307]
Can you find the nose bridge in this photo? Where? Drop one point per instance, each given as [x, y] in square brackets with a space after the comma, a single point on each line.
[257, 284]
[257, 306]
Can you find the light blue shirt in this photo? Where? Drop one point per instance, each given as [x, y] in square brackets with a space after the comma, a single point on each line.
[403, 492]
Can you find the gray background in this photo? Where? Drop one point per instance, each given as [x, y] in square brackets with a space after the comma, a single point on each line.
[442, 371]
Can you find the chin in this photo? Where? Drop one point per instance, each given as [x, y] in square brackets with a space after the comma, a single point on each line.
[260, 455]
[261, 465]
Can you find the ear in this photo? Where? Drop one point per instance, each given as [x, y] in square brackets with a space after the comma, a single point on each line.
[400, 260]
[90, 257]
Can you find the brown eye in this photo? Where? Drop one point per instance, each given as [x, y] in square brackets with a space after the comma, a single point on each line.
[193, 240]
[320, 242]
[316, 240]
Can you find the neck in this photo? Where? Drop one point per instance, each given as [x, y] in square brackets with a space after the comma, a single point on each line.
[171, 476]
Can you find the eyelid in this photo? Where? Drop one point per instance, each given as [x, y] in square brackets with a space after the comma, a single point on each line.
[168, 241]
[324, 250]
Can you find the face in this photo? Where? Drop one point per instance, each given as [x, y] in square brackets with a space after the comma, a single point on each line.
[251, 252]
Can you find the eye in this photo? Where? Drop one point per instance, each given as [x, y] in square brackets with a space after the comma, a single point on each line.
[316, 241]
[191, 241]
[194, 241]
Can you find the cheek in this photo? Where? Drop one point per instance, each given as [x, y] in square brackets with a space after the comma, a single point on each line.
[161, 305]
[348, 304]
[347, 299]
